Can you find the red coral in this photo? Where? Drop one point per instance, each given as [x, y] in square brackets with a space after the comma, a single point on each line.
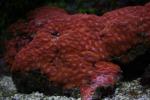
[76, 50]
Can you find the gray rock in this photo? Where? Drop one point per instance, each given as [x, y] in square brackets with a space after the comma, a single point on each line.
[7, 87]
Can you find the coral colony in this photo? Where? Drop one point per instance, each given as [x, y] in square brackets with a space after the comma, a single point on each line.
[76, 50]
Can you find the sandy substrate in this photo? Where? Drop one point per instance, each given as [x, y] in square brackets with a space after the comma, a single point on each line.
[125, 91]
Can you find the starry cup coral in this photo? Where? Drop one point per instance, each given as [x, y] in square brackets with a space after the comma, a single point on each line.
[76, 50]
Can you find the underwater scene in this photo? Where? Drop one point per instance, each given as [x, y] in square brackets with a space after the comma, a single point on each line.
[74, 49]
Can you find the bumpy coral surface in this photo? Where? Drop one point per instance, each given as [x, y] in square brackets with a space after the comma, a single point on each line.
[76, 50]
